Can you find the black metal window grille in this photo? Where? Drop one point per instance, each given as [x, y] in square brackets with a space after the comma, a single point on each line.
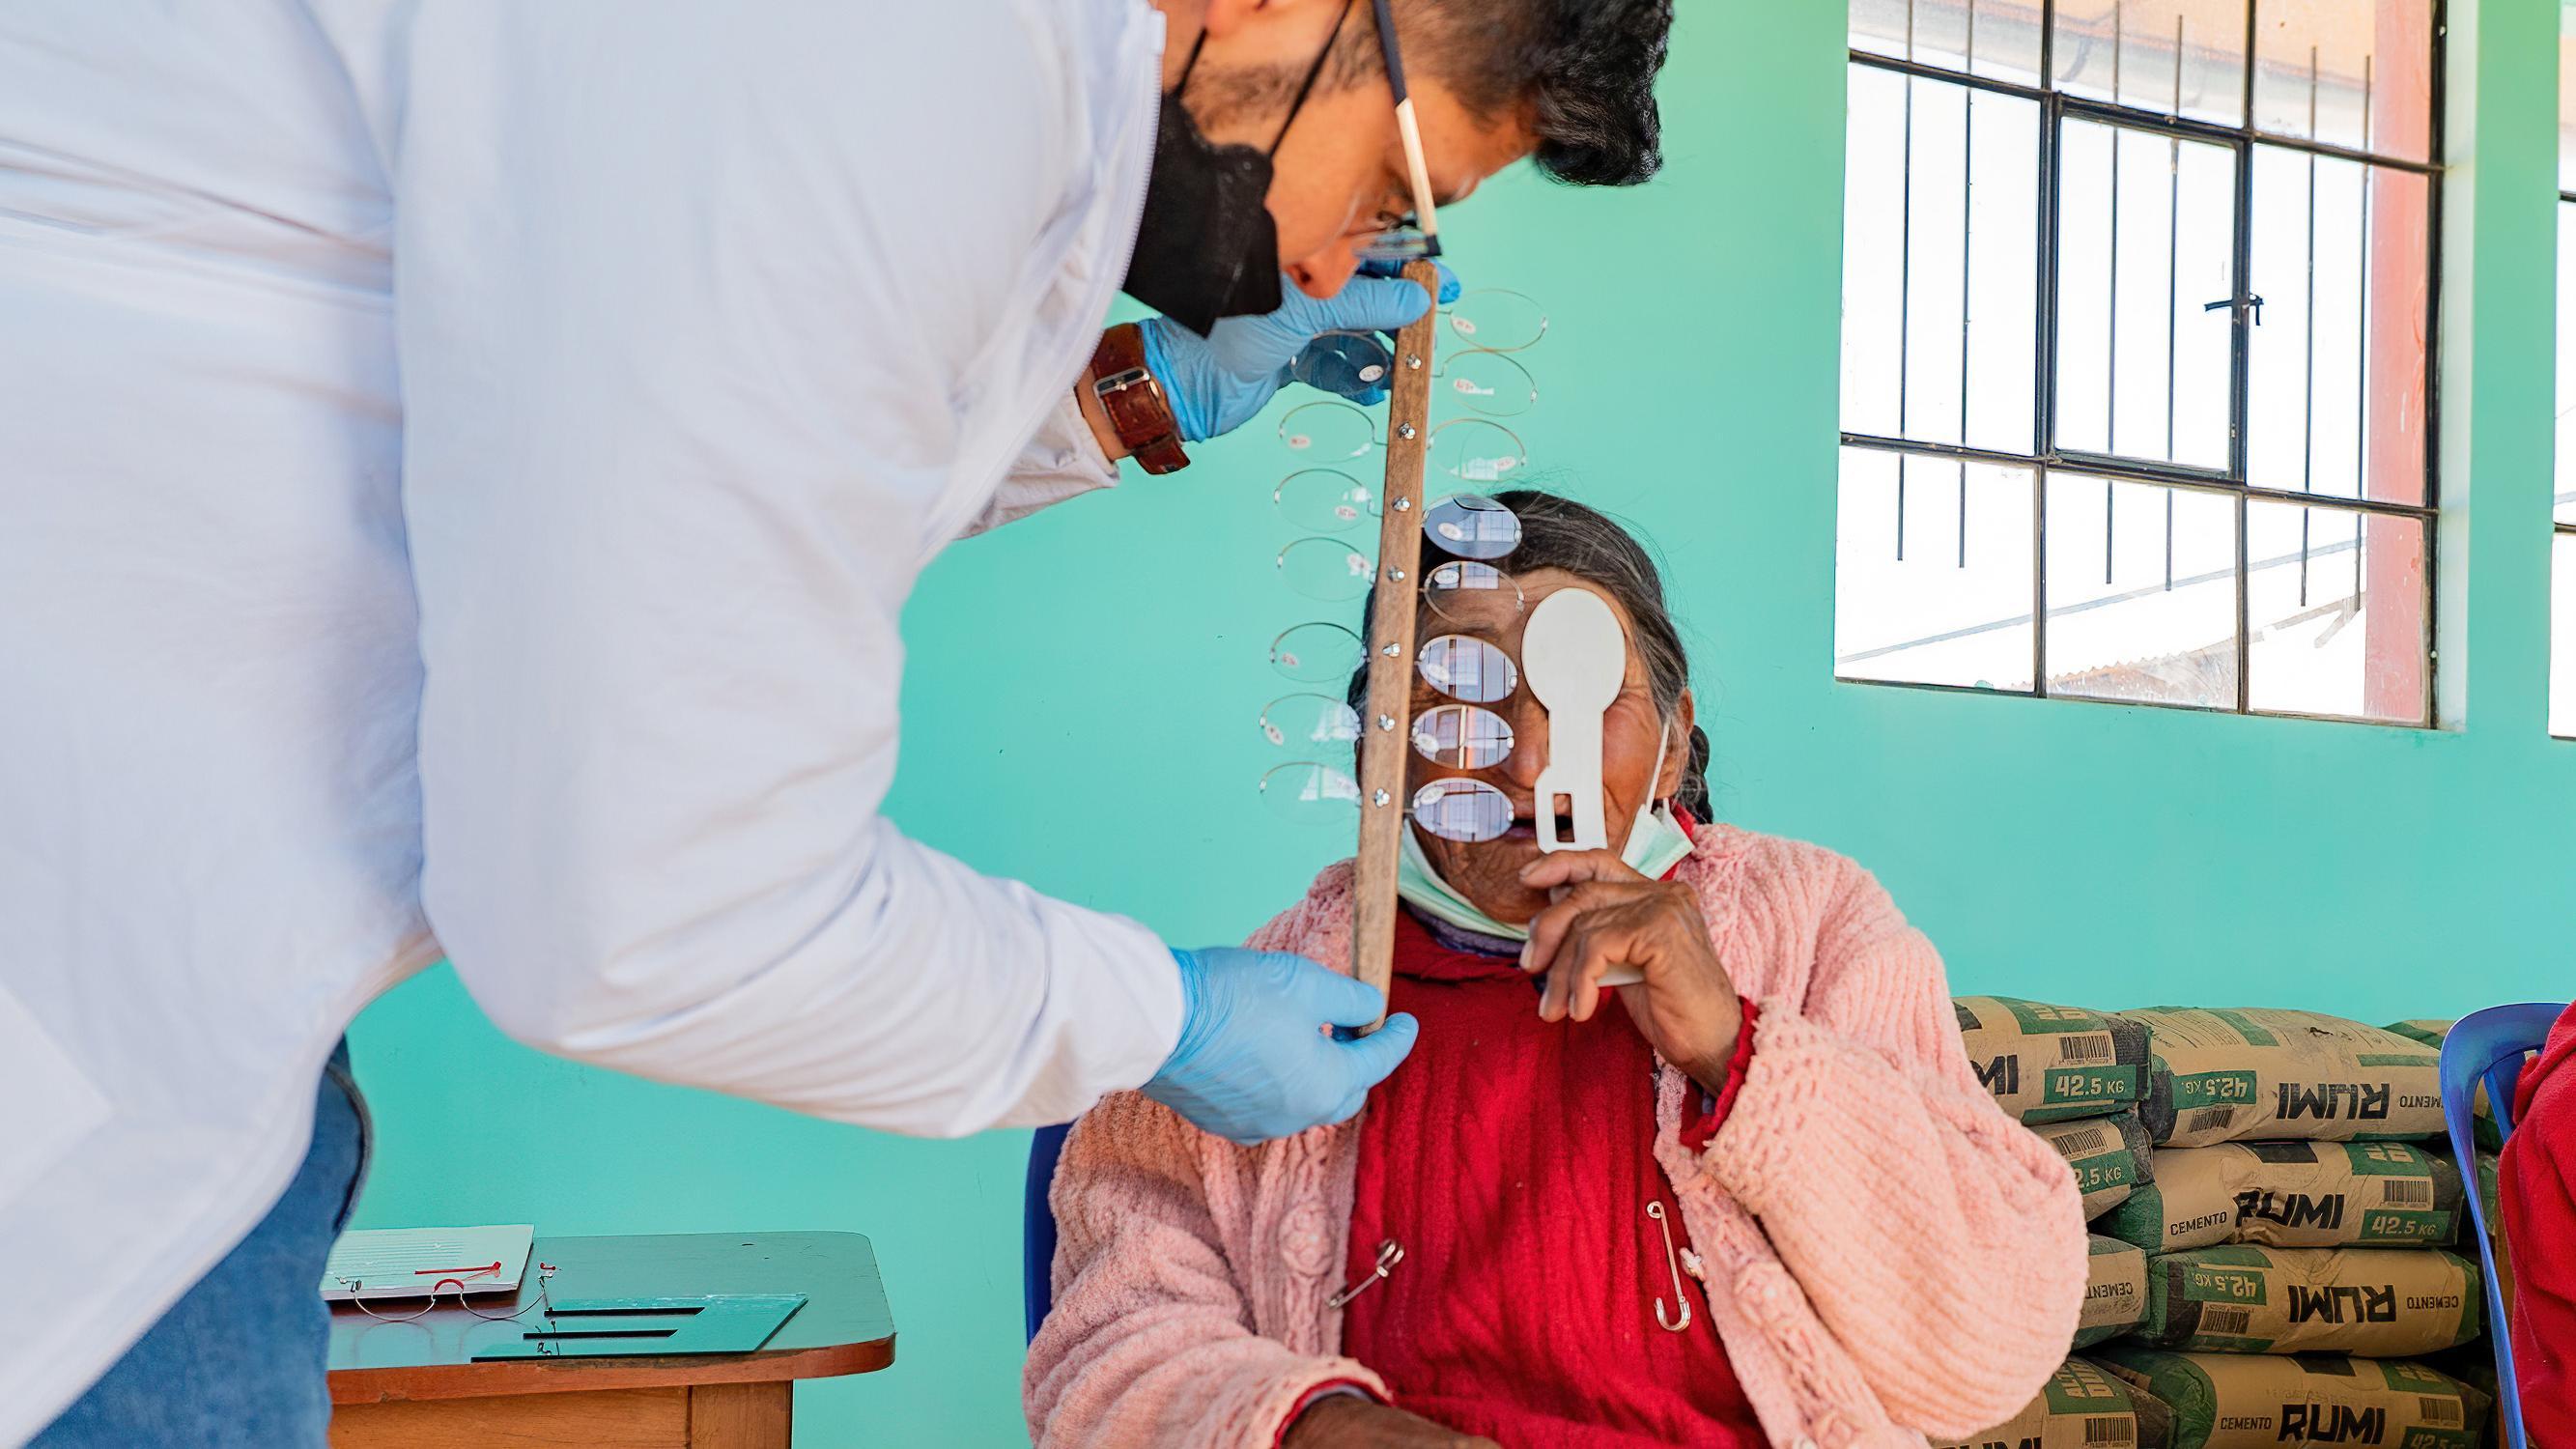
[2086, 441]
[2562, 651]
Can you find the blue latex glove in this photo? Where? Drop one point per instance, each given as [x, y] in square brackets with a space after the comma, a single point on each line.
[1253, 1061]
[1216, 383]
[1327, 362]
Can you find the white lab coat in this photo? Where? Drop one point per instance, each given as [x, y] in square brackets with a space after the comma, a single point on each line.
[461, 465]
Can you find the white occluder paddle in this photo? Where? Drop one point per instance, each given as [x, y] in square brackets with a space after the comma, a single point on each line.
[1574, 657]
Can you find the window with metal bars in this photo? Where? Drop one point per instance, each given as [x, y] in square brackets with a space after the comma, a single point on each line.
[2137, 386]
[2562, 515]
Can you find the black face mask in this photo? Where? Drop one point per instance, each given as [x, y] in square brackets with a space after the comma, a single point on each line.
[1206, 247]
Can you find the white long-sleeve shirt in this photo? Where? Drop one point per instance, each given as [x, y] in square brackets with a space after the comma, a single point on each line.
[460, 468]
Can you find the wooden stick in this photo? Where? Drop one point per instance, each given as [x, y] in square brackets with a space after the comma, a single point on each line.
[1386, 725]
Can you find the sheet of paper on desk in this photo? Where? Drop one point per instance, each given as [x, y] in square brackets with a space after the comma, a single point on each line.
[418, 1262]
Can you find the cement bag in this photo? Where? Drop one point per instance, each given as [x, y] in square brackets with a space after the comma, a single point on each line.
[2375, 1302]
[2222, 1076]
[2474, 1364]
[2052, 1063]
[2110, 1156]
[2482, 1122]
[2431, 1031]
[2081, 1407]
[2238, 1401]
[2293, 1195]
[2115, 1294]
[2490, 1198]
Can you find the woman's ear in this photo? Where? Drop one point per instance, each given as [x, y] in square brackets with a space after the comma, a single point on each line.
[1677, 746]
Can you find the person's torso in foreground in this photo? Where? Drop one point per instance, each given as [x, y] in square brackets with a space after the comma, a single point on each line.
[237, 243]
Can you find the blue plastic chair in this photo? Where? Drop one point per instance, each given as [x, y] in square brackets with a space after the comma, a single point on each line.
[2488, 1046]
[1037, 1230]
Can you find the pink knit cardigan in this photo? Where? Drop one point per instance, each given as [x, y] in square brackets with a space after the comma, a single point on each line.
[1886, 1254]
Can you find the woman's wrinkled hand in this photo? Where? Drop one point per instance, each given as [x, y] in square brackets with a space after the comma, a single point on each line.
[1347, 1421]
[1605, 914]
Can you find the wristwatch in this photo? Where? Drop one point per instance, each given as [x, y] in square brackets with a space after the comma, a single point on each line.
[1138, 411]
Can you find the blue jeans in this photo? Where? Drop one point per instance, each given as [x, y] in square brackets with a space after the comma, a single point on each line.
[238, 1362]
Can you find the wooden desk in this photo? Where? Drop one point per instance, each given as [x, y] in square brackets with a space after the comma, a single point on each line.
[414, 1384]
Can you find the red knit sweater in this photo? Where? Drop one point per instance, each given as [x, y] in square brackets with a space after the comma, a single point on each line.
[1513, 1161]
[2539, 1192]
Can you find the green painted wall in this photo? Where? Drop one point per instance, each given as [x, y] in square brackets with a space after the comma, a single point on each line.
[2093, 853]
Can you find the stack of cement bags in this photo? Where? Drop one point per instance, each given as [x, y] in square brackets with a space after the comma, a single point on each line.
[2432, 1034]
[2075, 1078]
[2083, 1407]
[2242, 1401]
[2490, 1141]
[2271, 1247]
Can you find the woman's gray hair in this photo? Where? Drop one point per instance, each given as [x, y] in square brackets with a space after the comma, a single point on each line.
[1559, 533]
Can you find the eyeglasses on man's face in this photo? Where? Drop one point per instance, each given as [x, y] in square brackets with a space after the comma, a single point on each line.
[1417, 235]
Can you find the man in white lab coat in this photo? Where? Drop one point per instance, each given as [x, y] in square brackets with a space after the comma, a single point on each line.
[461, 466]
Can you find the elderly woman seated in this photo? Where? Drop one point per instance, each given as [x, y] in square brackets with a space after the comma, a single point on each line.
[1755, 1195]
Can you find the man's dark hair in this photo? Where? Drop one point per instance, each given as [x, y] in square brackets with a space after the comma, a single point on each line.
[1586, 67]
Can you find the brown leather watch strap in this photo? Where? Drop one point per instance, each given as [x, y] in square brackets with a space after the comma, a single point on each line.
[1134, 401]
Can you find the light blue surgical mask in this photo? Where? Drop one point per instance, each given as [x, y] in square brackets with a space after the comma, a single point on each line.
[1656, 843]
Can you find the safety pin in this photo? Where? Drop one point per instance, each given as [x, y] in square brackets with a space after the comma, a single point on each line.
[1389, 1253]
[1655, 1210]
